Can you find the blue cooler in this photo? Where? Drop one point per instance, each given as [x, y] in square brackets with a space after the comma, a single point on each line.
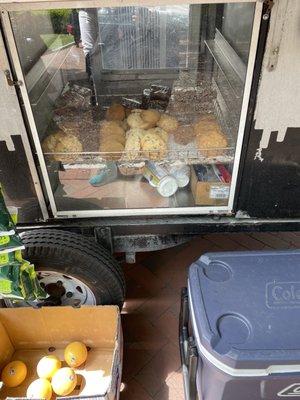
[240, 326]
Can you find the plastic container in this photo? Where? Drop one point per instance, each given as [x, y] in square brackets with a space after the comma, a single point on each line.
[159, 177]
[181, 173]
[244, 311]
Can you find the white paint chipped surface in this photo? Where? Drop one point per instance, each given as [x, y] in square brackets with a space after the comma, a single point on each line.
[9, 105]
[278, 101]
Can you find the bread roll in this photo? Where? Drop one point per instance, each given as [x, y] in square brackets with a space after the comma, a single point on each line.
[116, 112]
[109, 128]
[151, 117]
[113, 138]
[143, 119]
[167, 123]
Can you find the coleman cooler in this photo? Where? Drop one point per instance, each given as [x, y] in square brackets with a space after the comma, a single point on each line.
[240, 326]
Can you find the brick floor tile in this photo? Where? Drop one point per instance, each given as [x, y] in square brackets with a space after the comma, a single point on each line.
[140, 334]
[137, 295]
[144, 276]
[270, 240]
[167, 323]
[172, 389]
[247, 241]
[134, 391]
[154, 375]
[292, 238]
[134, 360]
[154, 307]
[224, 242]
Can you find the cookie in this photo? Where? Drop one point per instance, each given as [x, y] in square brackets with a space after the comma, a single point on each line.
[116, 112]
[212, 144]
[167, 123]
[153, 146]
[160, 132]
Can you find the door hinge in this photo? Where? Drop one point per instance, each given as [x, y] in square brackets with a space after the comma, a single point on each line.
[10, 81]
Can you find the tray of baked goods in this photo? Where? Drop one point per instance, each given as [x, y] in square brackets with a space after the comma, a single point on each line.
[165, 125]
[144, 135]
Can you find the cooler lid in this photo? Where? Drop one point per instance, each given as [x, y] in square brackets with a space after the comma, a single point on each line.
[245, 308]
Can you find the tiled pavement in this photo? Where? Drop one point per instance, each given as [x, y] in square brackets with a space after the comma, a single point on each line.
[150, 316]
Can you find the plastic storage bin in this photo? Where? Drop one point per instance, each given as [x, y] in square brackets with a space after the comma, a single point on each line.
[240, 326]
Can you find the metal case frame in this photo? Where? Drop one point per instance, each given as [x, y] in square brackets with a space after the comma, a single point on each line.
[198, 210]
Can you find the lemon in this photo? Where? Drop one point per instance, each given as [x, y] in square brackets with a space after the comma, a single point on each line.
[64, 381]
[47, 366]
[75, 354]
[14, 373]
[39, 389]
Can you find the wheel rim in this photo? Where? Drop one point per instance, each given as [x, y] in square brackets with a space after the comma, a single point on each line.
[70, 290]
[63, 290]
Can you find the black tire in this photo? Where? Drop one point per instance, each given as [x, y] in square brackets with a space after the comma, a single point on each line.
[79, 257]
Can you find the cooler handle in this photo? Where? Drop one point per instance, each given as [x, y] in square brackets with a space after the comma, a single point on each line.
[188, 350]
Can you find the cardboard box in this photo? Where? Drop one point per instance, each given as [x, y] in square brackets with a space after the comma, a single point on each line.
[28, 334]
[207, 188]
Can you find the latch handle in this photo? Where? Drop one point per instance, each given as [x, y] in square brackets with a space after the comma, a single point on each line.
[10, 81]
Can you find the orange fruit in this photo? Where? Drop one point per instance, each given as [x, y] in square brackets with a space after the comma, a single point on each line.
[14, 373]
[47, 366]
[75, 354]
[64, 381]
[39, 389]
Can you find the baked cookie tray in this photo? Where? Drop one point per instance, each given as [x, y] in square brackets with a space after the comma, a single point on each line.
[176, 153]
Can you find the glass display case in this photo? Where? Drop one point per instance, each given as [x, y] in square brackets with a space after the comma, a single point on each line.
[135, 109]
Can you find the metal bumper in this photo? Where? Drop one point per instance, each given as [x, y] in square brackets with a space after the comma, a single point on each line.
[188, 350]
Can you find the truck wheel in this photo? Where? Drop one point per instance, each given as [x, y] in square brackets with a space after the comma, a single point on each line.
[73, 269]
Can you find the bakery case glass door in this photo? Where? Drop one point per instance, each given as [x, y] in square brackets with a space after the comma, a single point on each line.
[136, 109]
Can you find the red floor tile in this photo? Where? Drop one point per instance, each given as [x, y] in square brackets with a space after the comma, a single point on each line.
[150, 316]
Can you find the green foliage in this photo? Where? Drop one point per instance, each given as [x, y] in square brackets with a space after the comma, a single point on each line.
[60, 18]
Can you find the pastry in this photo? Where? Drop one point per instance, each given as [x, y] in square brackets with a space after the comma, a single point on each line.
[124, 125]
[153, 146]
[212, 144]
[205, 124]
[135, 120]
[151, 117]
[113, 138]
[132, 147]
[116, 112]
[109, 128]
[61, 142]
[140, 133]
[184, 134]
[112, 150]
[167, 123]
[143, 119]
[160, 132]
